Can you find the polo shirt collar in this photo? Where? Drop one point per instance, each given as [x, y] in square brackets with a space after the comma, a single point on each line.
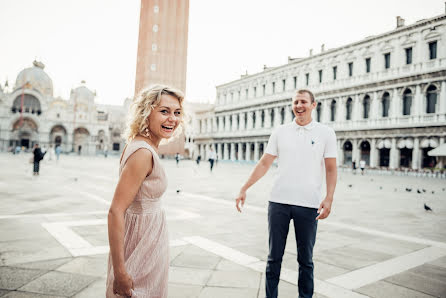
[309, 126]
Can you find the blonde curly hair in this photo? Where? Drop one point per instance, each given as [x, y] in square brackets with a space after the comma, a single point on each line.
[142, 106]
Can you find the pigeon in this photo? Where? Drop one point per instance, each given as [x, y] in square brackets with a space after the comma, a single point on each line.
[75, 179]
[418, 191]
[444, 189]
[408, 189]
[424, 190]
[178, 191]
[371, 179]
[427, 208]
[350, 185]
[433, 192]
[395, 190]
[380, 187]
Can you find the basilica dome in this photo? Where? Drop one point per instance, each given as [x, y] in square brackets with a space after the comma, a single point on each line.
[36, 78]
[82, 94]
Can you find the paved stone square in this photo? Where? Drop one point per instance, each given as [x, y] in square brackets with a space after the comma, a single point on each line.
[378, 242]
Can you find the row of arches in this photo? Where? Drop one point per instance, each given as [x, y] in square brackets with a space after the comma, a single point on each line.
[385, 101]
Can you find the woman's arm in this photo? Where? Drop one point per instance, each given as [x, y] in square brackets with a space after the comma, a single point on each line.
[138, 166]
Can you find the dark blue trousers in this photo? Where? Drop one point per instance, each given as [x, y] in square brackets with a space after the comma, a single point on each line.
[305, 227]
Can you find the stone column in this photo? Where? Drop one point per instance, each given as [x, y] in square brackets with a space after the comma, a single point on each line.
[233, 157]
[288, 116]
[248, 151]
[395, 104]
[234, 122]
[240, 151]
[227, 123]
[356, 108]
[276, 117]
[340, 109]
[242, 121]
[416, 156]
[226, 152]
[355, 152]
[219, 151]
[256, 151]
[442, 99]
[340, 159]
[374, 106]
[214, 124]
[268, 121]
[393, 162]
[417, 104]
[258, 123]
[249, 123]
[373, 154]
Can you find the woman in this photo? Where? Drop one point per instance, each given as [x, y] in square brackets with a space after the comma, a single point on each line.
[139, 246]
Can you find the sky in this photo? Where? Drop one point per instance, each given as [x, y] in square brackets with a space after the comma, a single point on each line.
[96, 40]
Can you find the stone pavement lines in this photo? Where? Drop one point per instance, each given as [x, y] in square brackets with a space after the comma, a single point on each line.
[256, 264]
[78, 246]
[373, 273]
[369, 274]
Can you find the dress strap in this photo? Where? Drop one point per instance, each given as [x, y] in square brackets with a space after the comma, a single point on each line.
[134, 146]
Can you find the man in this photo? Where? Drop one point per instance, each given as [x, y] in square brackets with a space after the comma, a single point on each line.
[38, 156]
[306, 153]
[212, 157]
[362, 166]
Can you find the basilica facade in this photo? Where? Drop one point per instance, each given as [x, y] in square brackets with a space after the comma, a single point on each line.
[385, 97]
[30, 114]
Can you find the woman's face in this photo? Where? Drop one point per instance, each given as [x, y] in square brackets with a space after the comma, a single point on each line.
[165, 118]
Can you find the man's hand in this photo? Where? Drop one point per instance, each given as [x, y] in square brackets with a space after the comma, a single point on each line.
[240, 200]
[324, 208]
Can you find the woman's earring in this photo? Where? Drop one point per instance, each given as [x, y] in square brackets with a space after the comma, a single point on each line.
[146, 132]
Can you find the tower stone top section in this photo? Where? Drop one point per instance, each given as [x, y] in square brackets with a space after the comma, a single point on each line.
[162, 44]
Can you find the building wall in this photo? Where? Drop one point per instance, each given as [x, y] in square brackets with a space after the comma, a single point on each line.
[248, 109]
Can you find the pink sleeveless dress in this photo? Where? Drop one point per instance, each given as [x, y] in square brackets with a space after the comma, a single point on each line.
[146, 242]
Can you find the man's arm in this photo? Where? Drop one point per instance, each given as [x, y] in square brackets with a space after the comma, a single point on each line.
[259, 171]
[331, 174]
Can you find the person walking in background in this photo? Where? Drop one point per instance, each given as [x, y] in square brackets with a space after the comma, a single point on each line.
[50, 152]
[362, 166]
[306, 153]
[105, 151]
[177, 158]
[212, 157]
[198, 159]
[38, 156]
[138, 263]
[58, 151]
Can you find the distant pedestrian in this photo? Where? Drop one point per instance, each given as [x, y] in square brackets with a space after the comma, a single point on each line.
[79, 149]
[58, 151]
[38, 156]
[51, 153]
[354, 167]
[177, 158]
[198, 159]
[212, 157]
[105, 151]
[362, 166]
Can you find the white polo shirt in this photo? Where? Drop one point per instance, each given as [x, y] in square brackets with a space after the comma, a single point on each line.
[300, 152]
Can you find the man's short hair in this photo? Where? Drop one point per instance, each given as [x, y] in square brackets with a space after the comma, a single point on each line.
[302, 91]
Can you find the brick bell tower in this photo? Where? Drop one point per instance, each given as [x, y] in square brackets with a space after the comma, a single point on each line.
[162, 51]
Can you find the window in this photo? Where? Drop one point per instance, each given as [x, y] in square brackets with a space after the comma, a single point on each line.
[274, 87]
[238, 121]
[350, 69]
[262, 119]
[433, 50]
[366, 107]
[307, 78]
[387, 60]
[333, 110]
[431, 100]
[409, 56]
[255, 91]
[318, 112]
[348, 109]
[385, 104]
[407, 101]
[246, 93]
[238, 95]
[283, 85]
[263, 89]
[295, 82]
[272, 115]
[246, 120]
[253, 119]
[367, 64]
[282, 115]
[335, 70]
[320, 76]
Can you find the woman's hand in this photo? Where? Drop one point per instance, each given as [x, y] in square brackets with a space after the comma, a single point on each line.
[123, 285]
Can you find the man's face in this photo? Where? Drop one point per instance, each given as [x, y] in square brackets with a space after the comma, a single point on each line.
[302, 106]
